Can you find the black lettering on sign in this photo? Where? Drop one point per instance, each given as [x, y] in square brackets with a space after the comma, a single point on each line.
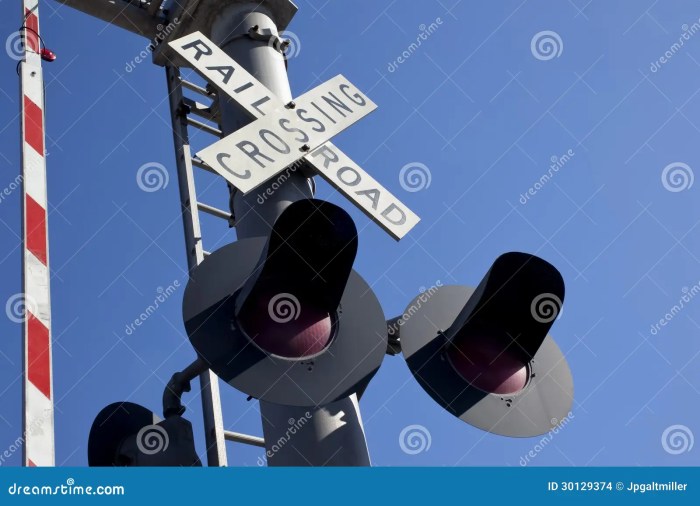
[220, 158]
[256, 105]
[243, 87]
[280, 147]
[337, 104]
[328, 154]
[357, 98]
[284, 123]
[253, 152]
[372, 194]
[322, 112]
[348, 176]
[199, 46]
[394, 208]
[319, 128]
[355, 174]
[225, 70]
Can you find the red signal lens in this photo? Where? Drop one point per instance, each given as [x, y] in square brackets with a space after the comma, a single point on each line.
[488, 366]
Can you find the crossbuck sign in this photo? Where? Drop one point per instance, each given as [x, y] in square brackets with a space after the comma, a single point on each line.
[282, 134]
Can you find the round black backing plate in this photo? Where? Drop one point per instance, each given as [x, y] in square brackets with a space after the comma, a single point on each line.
[539, 407]
[344, 367]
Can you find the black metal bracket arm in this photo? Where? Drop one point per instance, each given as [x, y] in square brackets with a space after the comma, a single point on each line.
[178, 384]
[393, 329]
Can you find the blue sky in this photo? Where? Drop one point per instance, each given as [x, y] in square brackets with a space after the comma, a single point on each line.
[485, 113]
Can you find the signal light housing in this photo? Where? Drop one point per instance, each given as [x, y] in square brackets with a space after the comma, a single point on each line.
[127, 434]
[484, 354]
[286, 319]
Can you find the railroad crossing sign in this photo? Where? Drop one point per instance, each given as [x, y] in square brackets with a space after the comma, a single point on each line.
[283, 134]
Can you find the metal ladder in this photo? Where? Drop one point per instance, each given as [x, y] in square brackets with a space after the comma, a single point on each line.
[181, 111]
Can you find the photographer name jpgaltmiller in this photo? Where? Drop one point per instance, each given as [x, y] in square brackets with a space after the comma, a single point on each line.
[671, 486]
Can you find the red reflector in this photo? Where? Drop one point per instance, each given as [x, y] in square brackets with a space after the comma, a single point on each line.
[47, 55]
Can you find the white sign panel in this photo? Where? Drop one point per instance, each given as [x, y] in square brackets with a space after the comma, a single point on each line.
[318, 114]
[223, 72]
[255, 153]
[367, 194]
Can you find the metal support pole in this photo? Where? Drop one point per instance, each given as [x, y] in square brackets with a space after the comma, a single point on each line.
[38, 412]
[327, 435]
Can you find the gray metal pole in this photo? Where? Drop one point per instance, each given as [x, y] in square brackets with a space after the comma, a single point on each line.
[328, 435]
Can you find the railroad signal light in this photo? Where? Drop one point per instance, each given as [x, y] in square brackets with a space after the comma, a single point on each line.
[286, 319]
[484, 354]
[127, 434]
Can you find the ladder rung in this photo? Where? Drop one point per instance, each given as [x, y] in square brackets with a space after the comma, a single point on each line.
[205, 128]
[205, 253]
[214, 211]
[200, 110]
[197, 89]
[199, 163]
[244, 438]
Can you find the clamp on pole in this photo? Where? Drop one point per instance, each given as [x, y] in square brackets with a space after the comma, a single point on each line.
[263, 35]
[267, 36]
[178, 384]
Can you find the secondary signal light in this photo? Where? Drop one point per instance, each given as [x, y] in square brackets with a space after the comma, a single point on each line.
[47, 55]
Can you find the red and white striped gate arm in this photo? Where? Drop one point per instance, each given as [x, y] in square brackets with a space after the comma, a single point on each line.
[38, 416]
